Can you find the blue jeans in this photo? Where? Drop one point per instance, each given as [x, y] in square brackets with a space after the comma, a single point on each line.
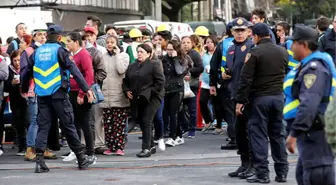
[158, 122]
[32, 130]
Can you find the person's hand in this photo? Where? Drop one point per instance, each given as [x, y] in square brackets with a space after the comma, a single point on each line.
[129, 95]
[80, 100]
[187, 78]
[116, 50]
[174, 53]
[15, 81]
[90, 95]
[239, 108]
[213, 90]
[282, 38]
[225, 76]
[291, 144]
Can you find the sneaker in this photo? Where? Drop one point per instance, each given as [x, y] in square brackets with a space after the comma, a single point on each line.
[109, 152]
[156, 141]
[207, 127]
[218, 131]
[1, 151]
[49, 155]
[161, 145]
[70, 157]
[179, 141]
[30, 154]
[191, 134]
[21, 152]
[65, 155]
[170, 142]
[185, 133]
[120, 152]
[64, 143]
[92, 159]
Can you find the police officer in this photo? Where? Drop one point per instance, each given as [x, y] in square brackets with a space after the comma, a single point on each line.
[308, 89]
[50, 65]
[231, 66]
[261, 84]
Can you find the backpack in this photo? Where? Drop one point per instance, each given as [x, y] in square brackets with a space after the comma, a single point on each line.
[16, 44]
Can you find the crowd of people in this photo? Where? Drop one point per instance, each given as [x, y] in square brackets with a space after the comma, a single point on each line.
[153, 79]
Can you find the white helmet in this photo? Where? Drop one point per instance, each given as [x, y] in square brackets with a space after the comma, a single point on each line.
[39, 26]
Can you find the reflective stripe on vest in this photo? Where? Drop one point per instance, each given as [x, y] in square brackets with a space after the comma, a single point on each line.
[292, 104]
[47, 73]
[226, 44]
[291, 61]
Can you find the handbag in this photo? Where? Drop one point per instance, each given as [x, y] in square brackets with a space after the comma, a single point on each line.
[187, 91]
[99, 96]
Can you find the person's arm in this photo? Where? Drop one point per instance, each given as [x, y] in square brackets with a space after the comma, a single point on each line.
[126, 83]
[322, 43]
[99, 66]
[86, 64]
[8, 83]
[311, 91]
[159, 78]
[27, 73]
[65, 61]
[215, 63]
[122, 62]
[246, 78]
[3, 70]
[198, 67]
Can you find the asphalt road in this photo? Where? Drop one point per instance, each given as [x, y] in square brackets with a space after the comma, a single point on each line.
[198, 162]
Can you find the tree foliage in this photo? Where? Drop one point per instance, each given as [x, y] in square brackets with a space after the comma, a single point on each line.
[306, 9]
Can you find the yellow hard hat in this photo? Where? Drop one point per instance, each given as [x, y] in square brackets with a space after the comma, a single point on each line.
[202, 31]
[162, 27]
[135, 33]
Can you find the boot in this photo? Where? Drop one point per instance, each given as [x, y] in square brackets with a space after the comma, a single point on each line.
[83, 162]
[239, 170]
[49, 155]
[40, 167]
[30, 154]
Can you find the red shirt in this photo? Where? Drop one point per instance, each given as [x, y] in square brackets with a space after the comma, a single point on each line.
[84, 63]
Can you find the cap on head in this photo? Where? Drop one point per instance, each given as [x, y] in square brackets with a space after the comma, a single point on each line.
[261, 30]
[202, 31]
[54, 29]
[305, 33]
[90, 30]
[239, 23]
[135, 33]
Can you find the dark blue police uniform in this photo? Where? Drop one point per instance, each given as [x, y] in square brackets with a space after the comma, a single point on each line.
[308, 89]
[50, 66]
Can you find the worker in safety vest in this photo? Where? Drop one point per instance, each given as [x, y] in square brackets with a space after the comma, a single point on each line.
[51, 65]
[308, 88]
[136, 36]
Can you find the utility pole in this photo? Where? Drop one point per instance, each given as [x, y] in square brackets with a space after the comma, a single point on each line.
[158, 10]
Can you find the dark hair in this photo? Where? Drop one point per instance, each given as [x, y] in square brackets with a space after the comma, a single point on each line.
[213, 38]
[95, 20]
[9, 40]
[285, 26]
[17, 26]
[0, 40]
[53, 37]
[14, 54]
[147, 48]
[260, 13]
[312, 45]
[322, 23]
[112, 36]
[110, 27]
[146, 32]
[166, 35]
[78, 30]
[75, 36]
[177, 47]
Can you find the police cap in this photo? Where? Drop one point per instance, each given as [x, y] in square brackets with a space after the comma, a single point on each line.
[239, 23]
[261, 30]
[302, 32]
[54, 29]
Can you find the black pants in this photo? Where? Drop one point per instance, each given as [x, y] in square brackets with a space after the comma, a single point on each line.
[21, 122]
[266, 122]
[2, 110]
[84, 118]
[144, 113]
[225, 109]
[53, 138]
[62, 108]
[242, 138]
[172, 105]
[204, 105]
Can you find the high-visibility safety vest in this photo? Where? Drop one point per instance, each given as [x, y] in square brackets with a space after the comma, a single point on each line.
[291, 61]
[47, 72]
[226, 44]
[291, 104]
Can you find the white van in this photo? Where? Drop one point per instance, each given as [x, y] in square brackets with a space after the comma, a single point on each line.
[180, 29]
